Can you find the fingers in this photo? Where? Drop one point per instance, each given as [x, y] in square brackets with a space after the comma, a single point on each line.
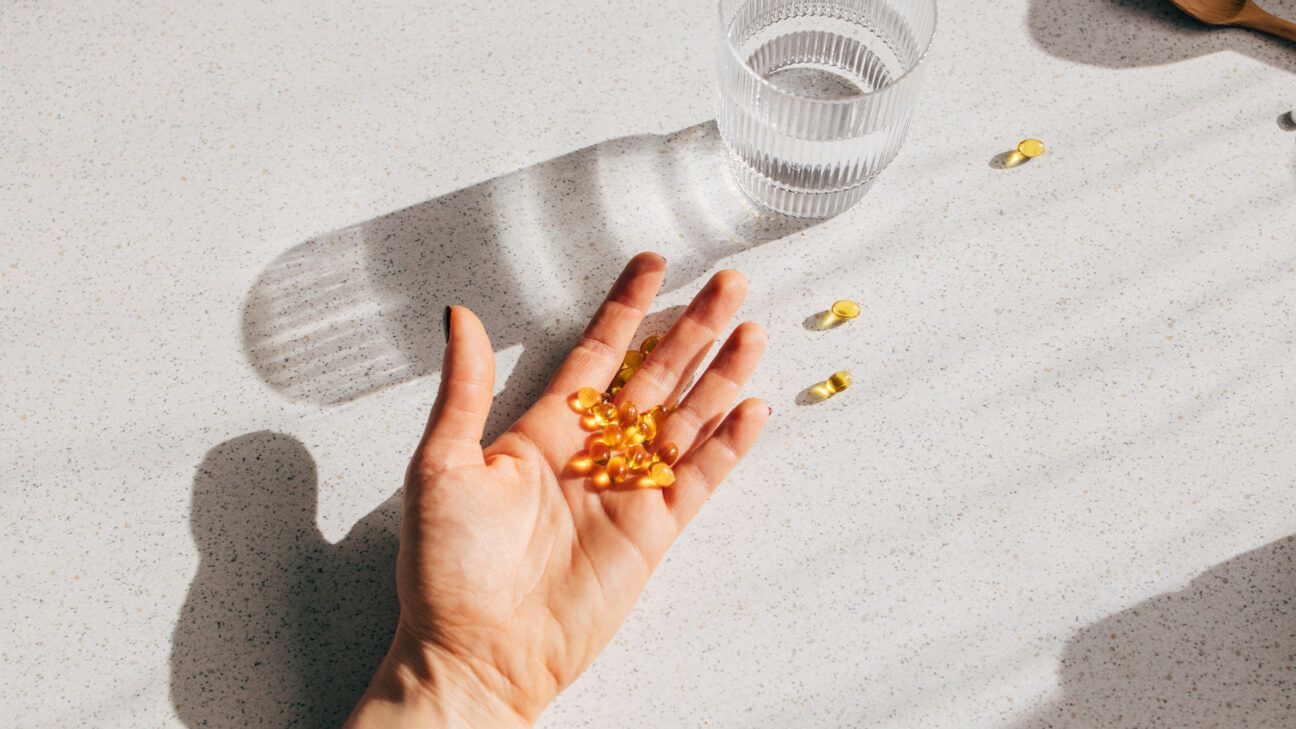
[454, 429]
[663, 376]
[702, 470]
[598, 355]
[708, 400]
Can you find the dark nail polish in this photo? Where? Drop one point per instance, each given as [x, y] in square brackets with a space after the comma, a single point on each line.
[445, 323]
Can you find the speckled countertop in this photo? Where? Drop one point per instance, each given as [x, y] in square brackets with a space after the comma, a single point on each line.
[1060, 494]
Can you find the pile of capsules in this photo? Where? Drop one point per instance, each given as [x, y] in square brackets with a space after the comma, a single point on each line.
[621, 451]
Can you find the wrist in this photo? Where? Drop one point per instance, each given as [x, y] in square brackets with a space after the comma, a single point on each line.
[420, 686]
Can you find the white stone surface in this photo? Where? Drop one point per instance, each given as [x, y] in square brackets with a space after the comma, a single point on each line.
[1061, 492]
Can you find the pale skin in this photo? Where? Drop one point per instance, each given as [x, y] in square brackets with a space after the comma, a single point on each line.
[514, 573]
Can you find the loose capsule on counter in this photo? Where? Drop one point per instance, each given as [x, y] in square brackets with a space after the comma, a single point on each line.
[838, 381]
[1030, 148]
[845, 309]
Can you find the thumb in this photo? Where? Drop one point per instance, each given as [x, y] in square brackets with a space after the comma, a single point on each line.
[454, 429]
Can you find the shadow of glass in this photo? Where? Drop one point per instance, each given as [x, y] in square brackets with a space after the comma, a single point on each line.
[1218, 653]
[356, 310]
[1134, 33]
[279, 627]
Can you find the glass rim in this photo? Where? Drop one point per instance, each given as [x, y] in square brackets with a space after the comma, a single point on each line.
[746, 67]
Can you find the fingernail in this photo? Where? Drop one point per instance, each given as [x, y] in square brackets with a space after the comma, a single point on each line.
[445, 323]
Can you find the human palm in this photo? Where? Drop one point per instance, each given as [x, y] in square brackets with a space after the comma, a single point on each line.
[513, 572]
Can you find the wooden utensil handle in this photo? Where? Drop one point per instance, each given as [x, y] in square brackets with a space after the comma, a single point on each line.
[1257, 19]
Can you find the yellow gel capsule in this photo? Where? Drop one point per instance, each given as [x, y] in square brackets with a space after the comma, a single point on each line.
[845, 309]
[600, 454]
[648, 426]
[623, 376]
[658, 414]
[601, 479]
[612, 435]
[646, 482]
[613, 390]
[605, 413]
[662, 474]
[589, 422]
[650, 344]
[633, 358]
[617, 469]
[629, 413]
[632, 436]
[588, 397]
[667, 453]
[1030, 148]
[838, 381]
[637, 458]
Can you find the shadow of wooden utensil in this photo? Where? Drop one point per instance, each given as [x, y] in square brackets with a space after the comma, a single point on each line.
[1137, 33]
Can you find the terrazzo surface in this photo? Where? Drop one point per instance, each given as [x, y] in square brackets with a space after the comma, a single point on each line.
[1061, 492]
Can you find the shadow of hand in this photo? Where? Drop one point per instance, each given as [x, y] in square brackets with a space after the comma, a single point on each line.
[279, 628]
[1218, 653]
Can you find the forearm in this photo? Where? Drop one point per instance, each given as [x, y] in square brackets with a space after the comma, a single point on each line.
[411, 691]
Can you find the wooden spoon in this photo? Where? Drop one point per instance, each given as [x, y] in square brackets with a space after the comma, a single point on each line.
[1242, 13]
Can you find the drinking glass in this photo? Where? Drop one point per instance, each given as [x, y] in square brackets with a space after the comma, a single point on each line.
[815, 96]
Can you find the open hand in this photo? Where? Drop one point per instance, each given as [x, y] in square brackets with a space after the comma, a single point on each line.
[513, 573]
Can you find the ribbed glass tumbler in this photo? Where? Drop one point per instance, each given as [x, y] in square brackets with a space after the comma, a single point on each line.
[814, 97]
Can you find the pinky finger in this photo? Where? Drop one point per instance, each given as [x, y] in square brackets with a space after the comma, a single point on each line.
[702, 470]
